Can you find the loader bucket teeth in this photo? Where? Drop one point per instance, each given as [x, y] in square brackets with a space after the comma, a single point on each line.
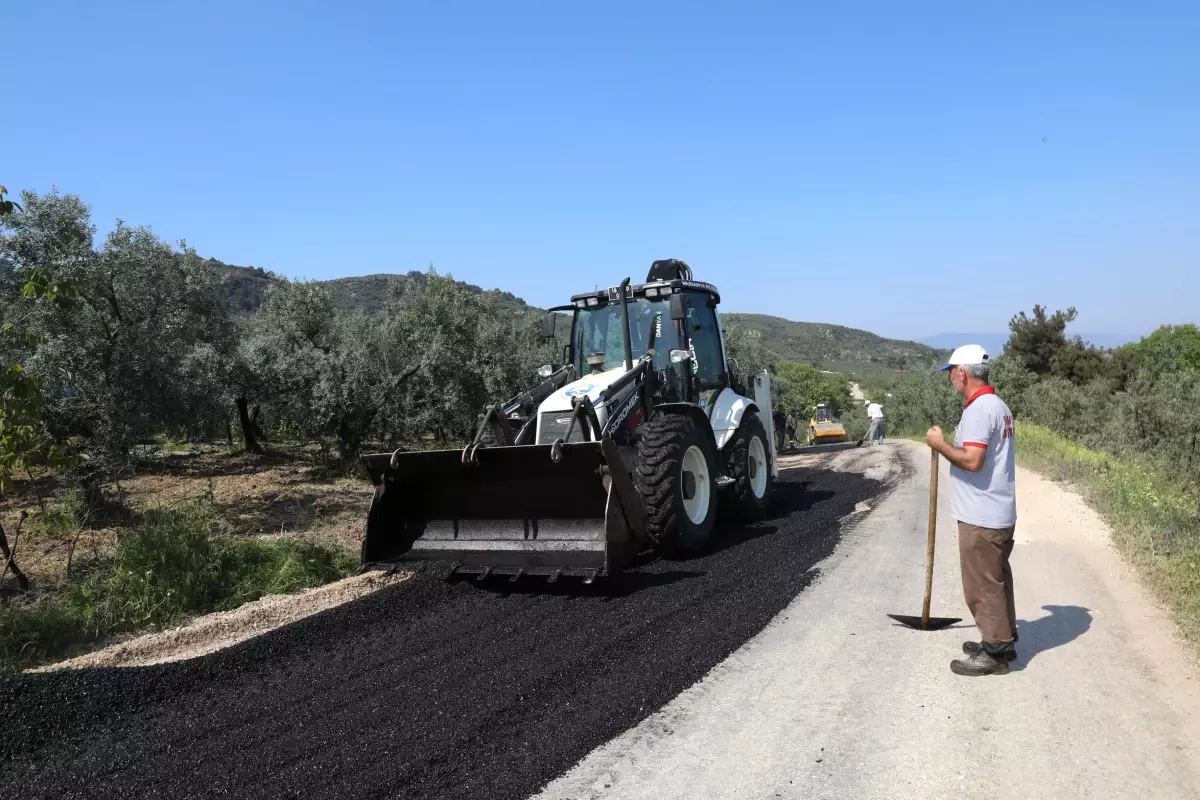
[512, 510]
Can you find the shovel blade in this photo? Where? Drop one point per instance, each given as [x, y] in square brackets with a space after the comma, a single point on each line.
[513, 510]
[934, 623]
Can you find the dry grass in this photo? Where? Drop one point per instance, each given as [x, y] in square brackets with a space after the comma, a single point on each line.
[190, 531]
[289, 493]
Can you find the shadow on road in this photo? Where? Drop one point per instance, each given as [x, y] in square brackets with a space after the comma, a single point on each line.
[789, 498]
[809, 449]
[1063, 625]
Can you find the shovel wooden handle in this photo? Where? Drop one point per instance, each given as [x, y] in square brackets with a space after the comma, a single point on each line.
[933, 498]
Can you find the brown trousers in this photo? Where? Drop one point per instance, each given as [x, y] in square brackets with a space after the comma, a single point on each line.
[988, 580]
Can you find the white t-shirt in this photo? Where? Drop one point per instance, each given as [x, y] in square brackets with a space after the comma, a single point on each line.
[875, 411]
[987, 498]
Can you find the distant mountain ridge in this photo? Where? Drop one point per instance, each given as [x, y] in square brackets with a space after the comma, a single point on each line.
[839, 348]
[247, 289]
[826, 346]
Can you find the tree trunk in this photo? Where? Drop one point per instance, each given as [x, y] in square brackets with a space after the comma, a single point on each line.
[248, 427]
[258, 431]
[349, 445]
[10, 563]
[93, 493]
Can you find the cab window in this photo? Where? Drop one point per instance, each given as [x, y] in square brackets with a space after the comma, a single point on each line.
[704, 341]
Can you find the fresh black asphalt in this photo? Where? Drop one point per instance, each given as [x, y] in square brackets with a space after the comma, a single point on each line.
[427, 689]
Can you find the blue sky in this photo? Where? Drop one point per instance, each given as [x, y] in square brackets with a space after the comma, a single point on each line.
[908, 168]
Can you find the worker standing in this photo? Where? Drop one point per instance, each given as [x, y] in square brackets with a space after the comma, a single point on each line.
[982, 465]
[875, 414]
[791, 430]
[780, 429]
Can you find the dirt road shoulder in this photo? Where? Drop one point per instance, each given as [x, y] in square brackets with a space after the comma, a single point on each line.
[831, 700]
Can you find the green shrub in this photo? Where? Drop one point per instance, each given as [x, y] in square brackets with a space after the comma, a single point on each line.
[281, 566]
[919, 401]
[1152, 513]
[62, 517]
[854, 420]
[170, 566]
[1013, 380]
[1081, 413]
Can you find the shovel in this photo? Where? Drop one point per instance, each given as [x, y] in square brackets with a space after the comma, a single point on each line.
[926, 622]
[863, 438]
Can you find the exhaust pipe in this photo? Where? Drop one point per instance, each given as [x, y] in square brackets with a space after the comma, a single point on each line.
[625, 324]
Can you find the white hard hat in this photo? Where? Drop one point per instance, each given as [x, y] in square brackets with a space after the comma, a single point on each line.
[967, 356]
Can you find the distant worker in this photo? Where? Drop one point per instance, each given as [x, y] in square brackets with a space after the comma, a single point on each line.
[875, 414]
[985, 504]
[791, 430]
[780, 429]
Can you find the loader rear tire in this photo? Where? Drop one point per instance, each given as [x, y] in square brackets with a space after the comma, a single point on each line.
[748, 463]
[675, 473]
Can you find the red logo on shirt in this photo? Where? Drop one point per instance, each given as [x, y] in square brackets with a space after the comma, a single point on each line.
[1009, 430]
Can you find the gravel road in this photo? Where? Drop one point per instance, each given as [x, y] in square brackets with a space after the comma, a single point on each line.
[767, 669]
[426, 689]
[833, 700]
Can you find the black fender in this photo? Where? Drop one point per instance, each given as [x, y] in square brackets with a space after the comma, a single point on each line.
[702, 422]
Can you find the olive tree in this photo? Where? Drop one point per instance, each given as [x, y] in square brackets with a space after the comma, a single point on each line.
[28, 289]
[134, 356]
[470, 353]
[803, 386]
[745, 347]
[430, 362]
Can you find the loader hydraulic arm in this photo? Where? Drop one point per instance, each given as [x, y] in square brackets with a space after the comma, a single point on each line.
[618, 386]
[499, 419]
[529, 400]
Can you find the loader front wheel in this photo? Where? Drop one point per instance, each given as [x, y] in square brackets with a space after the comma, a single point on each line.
[675, 475]
[748, 463]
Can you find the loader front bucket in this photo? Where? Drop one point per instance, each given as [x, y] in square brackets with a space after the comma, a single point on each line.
[512, 510]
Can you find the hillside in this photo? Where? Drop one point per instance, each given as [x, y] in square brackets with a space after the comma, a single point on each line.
[838, 348]
[827, 346]
[366, 293]
[369, 293]
[246, 286]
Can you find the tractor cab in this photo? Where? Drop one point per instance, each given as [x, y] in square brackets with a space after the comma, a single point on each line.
[673, 326]
[662, 337]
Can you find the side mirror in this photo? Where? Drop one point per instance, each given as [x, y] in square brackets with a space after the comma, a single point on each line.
[678, 308]
[548, 323]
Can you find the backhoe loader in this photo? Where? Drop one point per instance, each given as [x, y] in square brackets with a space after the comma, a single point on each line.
[633, 444]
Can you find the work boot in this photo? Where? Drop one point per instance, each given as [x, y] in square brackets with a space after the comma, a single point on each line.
[971, 648]
[979, 664]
